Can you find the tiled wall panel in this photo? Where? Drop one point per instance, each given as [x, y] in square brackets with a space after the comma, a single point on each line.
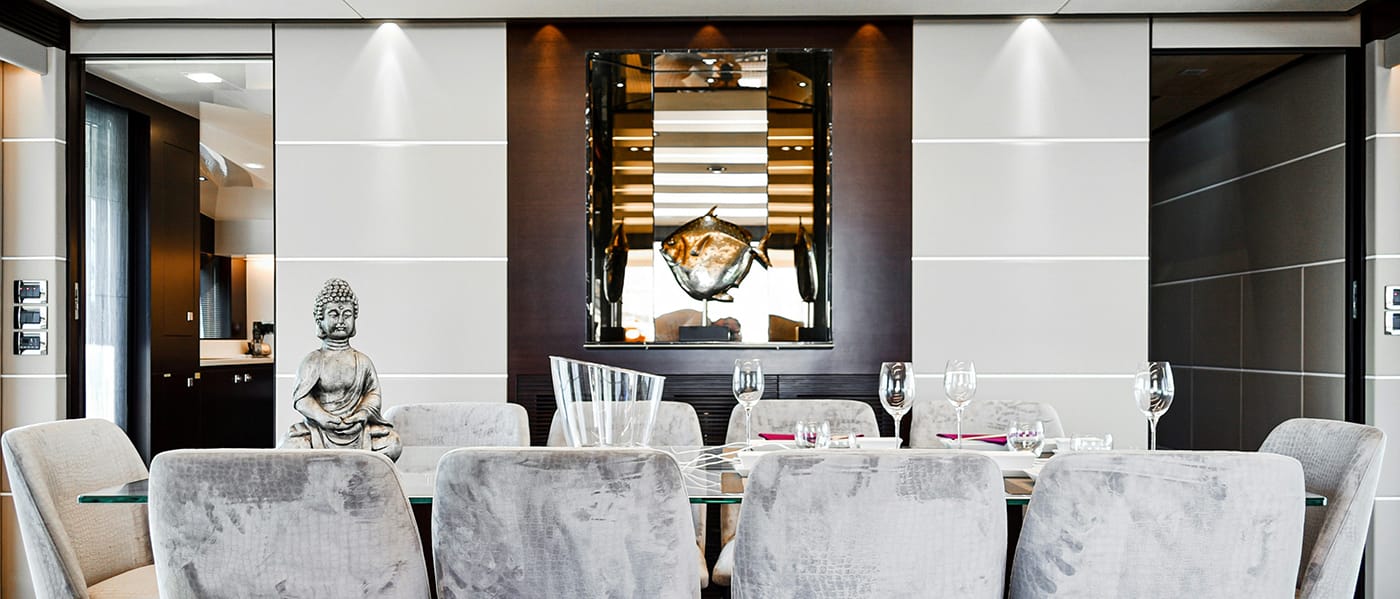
[416, 226]
[1030, 210]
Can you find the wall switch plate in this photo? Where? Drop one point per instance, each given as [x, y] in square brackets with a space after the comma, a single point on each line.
[31, 291]
[1392, 297]
[1392, 322]
[31, 344]
[31, 317]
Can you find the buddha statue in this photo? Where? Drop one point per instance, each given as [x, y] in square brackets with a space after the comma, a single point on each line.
[337, 389]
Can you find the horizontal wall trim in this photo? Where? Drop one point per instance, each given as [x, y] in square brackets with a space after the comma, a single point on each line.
[1377, 499]
[1251, 174]
[391, 143]
[421, 376]
[33, 258]
[1033, 376]
[395, 259]
[1383, 377]
[34, 376]
[1251, 272]
[1031, 258]
[1382, 136]
[1032, 140]
[1330, 375]
[1383, 256]
[24, 140]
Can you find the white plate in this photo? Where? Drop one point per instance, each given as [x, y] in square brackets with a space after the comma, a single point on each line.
[1009, 461]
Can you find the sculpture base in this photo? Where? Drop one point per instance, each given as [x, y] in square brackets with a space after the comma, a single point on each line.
[811, 334]
[612, 334]
[709, 333]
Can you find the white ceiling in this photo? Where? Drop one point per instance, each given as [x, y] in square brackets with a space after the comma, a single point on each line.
[504, 9]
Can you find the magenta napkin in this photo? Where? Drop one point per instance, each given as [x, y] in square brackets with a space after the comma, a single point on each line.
[999, 440]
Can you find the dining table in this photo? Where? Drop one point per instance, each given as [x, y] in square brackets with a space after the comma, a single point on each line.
[709, 473]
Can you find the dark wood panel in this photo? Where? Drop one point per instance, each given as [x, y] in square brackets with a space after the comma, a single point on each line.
[871, 191]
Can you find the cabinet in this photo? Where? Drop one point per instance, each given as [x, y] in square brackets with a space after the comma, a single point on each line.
[235, 406]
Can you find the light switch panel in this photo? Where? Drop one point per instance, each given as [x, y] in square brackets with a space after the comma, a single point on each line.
[1392, 322]
[31, 291]
[31, 343]
[1392, 297]
[31, 317]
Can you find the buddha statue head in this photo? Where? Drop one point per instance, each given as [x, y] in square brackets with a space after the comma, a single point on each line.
[336, 309]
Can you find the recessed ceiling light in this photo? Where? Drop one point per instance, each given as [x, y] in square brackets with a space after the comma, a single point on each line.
[204, 77]
[203, 178]
[646, 149]
[621, 84]
[801, 84]
[253, 165]
[798, 148]
[633, 149]
[787, 148]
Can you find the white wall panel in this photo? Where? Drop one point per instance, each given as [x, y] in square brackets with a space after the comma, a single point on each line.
[16, 582]
[404, 390]
[1031, 78]
[25, 401]
[1030, 199]
[391, 82]
[1031, 317]
[1086, 406]
[415, 317]
[35, 106]
[1385, 406]
[35, 214]
[394, 201]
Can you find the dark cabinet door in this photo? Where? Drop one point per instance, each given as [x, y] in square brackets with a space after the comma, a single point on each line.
[236, 406]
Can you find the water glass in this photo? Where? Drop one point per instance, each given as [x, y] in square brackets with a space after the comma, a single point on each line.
[1091, 443]
[1026, 436]
[812, 434]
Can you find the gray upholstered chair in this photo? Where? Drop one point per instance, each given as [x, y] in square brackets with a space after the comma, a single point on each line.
[550, 522]
[676, 425]
[934, 415]
[869, 523]
[461, 424]
[779, 416]
[83, 551]
[1162, 524]
[283, 523]
[1341, 461]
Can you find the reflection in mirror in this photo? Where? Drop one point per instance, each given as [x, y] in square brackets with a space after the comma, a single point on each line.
[232, 100]
[709, 197]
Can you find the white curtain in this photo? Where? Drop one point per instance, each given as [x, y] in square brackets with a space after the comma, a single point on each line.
[106, 243]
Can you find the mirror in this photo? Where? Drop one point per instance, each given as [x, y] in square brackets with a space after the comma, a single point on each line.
[709, 197]
[232, 100]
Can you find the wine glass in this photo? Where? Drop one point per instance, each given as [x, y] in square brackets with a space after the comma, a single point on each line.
[1153, 389]
[748, 389]
[897, 391]
[959, 384]
[1026, 436]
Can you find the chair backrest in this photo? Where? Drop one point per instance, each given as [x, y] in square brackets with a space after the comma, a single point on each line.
[676, 424]
[1341, 461]
[283, 523]
[1162, 524]
[861, 523]
[779, 415]
[933, 415]
[69, 546]
[461, 424]
[553, 522]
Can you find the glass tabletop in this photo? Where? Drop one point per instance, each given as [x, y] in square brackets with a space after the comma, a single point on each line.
[708, 479]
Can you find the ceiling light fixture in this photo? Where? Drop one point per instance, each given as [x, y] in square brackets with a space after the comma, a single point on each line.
[204, 77]
[203, 178]
[801, 84]
[253, 165]
[621, 84]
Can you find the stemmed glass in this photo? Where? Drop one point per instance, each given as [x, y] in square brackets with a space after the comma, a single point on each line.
[897, 391]
[748, 389]
[959, 384]
[1153, 389]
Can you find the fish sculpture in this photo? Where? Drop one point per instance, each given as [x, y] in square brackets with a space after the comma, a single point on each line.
[709, 256]
[615, 265]
[805, 261]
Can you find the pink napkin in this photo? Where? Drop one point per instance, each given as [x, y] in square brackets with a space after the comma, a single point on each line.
[998, 440]
[776, 436]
